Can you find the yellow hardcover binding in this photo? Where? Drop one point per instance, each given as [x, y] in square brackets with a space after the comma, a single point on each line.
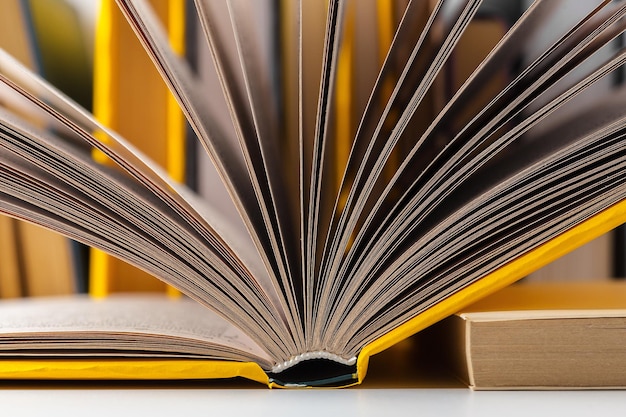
[129, 369]
[131, 98]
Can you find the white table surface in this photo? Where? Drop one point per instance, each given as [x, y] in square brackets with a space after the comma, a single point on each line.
[172, 400]
[380, 395]
[396, 383]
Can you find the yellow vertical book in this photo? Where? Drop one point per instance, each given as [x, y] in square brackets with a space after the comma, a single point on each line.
[131, 98]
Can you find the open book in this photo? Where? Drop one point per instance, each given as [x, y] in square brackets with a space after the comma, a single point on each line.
[314, 265]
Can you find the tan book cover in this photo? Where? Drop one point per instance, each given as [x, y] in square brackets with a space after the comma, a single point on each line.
[541, 336]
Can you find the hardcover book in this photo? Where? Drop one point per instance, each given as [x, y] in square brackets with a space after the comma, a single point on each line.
[300, 263]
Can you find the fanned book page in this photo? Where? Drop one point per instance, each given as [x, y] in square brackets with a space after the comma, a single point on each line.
[373, 174]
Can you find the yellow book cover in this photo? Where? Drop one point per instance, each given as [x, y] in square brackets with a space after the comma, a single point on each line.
[296, 269]
[131, 98]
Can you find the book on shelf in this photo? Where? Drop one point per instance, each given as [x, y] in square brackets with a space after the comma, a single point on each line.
[36, 261]
[13, 38]
[313, 266]
[10, 274]
[539, 335]
[131, 98]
